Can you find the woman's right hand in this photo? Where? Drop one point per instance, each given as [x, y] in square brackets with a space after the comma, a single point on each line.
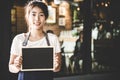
[15, 63]
[18, 62]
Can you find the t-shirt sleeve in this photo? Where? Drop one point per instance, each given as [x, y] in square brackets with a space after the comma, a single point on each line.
[57, 45]
[15, 46]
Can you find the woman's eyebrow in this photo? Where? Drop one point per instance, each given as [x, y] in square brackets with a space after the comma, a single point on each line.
[36, 12]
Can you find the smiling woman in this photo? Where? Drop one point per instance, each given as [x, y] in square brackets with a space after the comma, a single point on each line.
[36, 14]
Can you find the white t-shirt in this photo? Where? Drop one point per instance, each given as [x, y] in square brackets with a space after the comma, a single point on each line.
[16, 47]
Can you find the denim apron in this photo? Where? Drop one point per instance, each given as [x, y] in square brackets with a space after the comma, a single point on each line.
[35, 75]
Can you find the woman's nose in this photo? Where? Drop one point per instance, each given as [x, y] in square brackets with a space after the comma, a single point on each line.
[37, 18]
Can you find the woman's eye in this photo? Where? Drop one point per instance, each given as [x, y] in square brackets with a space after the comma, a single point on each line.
[41, 14]
[33, 14]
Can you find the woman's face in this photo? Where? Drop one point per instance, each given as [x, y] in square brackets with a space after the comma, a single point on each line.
[36, 18]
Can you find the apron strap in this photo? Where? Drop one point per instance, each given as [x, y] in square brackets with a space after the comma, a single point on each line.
[48, 43]
[27, 38]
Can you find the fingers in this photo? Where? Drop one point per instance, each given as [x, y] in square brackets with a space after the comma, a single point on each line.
[57, 64]
[18, 61]
[56, 61]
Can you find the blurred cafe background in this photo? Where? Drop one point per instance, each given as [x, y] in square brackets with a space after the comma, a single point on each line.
[99, 20]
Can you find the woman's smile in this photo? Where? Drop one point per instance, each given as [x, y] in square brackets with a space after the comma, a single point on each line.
[37, 23]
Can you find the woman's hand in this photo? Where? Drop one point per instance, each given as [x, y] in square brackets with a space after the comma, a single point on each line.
[57, 62]
[18, 62]
[15, 63]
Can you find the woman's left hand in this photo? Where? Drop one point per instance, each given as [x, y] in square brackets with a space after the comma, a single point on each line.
[57, 62]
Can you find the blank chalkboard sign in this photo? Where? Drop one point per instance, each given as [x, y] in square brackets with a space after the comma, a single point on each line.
[37, 58]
